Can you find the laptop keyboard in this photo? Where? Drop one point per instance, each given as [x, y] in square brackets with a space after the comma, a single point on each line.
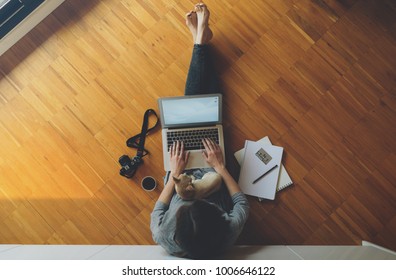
[192, 139]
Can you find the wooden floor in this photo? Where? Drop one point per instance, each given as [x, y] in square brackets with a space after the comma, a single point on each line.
[316, 76]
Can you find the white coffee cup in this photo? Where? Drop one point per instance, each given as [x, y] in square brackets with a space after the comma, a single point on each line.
[149, 183]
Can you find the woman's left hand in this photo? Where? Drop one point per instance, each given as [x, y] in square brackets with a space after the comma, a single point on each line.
[178, 158]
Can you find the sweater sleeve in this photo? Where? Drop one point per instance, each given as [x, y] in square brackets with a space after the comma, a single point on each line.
[162, 225]
[239, 214]
[157, 217]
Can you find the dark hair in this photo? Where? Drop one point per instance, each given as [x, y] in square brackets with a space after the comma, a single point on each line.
[201, 230]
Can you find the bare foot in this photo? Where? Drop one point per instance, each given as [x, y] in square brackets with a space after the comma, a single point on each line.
[204, 34]
[192, 22]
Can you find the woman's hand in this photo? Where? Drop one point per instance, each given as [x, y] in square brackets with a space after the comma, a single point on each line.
[178, 161]
[213, 154]
[178, 158]
[214, 157]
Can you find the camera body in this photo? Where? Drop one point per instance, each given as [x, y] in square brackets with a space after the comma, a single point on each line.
[129, 165]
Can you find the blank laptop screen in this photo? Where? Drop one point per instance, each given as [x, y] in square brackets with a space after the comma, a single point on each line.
[191, 110]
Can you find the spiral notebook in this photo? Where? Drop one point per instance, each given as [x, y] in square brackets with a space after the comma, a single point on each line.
[284, 180]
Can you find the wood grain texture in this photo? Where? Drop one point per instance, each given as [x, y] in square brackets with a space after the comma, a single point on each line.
[317, 77]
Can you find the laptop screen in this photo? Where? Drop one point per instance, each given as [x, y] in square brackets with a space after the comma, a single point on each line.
[189, 111]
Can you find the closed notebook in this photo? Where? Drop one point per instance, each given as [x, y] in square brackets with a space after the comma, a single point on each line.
[284, 180]
[258, 159]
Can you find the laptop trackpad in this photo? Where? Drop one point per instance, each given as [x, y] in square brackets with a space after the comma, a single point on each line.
[196, 160]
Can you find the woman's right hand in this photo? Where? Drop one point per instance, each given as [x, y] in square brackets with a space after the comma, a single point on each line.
[213, 154]
[214, 157]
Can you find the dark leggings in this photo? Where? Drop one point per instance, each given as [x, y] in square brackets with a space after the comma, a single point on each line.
[201, 77]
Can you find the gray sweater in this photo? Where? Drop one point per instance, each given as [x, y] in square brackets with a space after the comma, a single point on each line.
[163, 218]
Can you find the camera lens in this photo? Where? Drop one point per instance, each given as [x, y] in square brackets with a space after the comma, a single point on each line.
[124, 160]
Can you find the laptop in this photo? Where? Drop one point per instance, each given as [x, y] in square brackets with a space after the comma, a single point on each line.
[190, 119]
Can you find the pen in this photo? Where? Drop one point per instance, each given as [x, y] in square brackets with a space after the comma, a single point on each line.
[265, 173]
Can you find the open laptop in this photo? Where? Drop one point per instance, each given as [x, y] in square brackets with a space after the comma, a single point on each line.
[189, 119]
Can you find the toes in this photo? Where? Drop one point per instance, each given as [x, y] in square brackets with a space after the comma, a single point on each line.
[201, 8]
[198, 7]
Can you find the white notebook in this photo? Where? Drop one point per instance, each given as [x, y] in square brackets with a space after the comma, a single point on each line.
[260, 169]
[284, 177]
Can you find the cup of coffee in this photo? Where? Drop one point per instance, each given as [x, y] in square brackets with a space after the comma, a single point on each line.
[149, 183]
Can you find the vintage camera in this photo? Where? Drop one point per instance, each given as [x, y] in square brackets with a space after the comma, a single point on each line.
[129, 165]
